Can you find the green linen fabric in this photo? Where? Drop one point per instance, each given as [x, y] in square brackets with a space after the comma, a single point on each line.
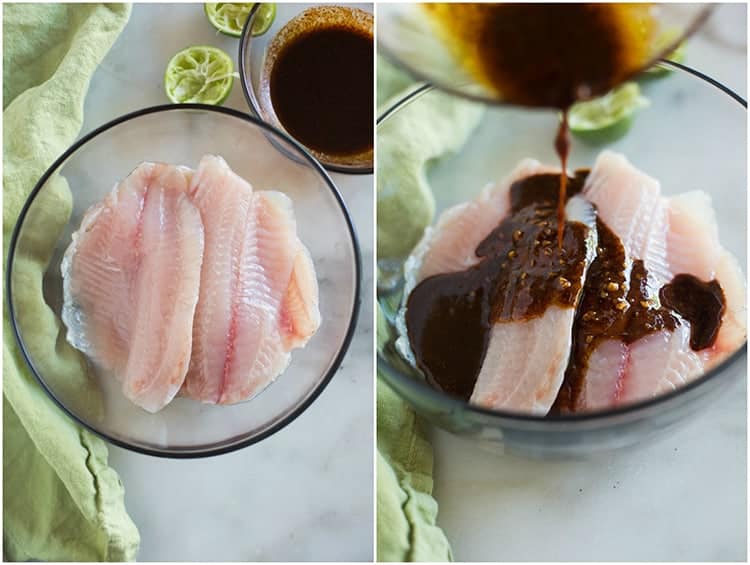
[61, 501]
[406, 145]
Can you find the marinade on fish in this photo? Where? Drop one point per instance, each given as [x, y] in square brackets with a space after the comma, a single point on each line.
[520, 295]
[654, 302]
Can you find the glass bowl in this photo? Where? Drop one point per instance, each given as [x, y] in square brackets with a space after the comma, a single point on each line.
[692, 136]
[406, 35]
[254, 65]
[85, 174]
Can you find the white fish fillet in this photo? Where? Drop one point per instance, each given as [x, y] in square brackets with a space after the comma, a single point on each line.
[449, 246]
[527, 382]
[733, 330]
[131, 278]
[672, 236]
[300, 315]
[694, 248]
[629, 202]
[693, 238]
[525, 362]
[251, 246]
[655, 364]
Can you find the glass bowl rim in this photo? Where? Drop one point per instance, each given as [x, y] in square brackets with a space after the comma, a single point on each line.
[420, 389]
[706, 9]
[221, 447]
[249, 93]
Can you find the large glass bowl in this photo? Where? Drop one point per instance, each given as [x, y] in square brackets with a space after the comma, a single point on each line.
[84, 175]
[692, 136]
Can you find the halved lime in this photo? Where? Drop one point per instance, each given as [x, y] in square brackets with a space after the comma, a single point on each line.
[607, 118]
[199, 74]
[666, 38]
[229, 18]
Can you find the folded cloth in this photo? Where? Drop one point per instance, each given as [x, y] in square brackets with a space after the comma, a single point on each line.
[61, 501]
[406, 144]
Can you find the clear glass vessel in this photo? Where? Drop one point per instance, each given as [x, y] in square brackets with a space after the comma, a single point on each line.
[693, 135]
[181, 134]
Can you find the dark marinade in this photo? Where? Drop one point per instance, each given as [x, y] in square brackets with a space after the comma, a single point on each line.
[321, 88]
[547, 55]
[523, 271]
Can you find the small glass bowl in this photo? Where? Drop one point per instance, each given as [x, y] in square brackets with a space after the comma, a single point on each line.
[407, 36]
[255, 61]
[85, 174]
[692, 136]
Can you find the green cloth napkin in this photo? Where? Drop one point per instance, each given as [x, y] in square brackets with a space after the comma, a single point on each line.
[406, 144]
[61, 501]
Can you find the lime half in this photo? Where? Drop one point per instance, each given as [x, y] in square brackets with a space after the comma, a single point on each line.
[230, 18]
[678, 55]
[199, 74]
[607, 118]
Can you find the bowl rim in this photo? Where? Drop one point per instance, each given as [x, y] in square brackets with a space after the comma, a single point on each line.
[420, 389]
[249, 93]
[229, 445]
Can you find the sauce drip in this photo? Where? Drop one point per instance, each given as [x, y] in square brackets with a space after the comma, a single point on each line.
[562, 147]
[322, 91]
[521, 272]
[547, 55]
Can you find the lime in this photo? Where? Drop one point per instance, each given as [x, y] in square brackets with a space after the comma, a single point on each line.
[665, 39]
[199, 74]
[607, 118]
[230, 18]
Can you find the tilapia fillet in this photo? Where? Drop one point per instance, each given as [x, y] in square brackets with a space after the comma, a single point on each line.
[244, 324]
[672, 236]
[525, 362]
[526, 382]
[131, 279]
[190, 281]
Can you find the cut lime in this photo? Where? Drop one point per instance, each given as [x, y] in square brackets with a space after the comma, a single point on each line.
[199, 74]
[230, 18]
[608, 118]
[665, 39]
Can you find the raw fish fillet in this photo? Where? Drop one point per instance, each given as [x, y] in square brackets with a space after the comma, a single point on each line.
[239, 342]
[655, 364]
[300, 316]
[131, 278]
[525, 362]
[629, 202]
[693, 238]
[693, 247]
[733, 330]
[449, 246]
[672, 236]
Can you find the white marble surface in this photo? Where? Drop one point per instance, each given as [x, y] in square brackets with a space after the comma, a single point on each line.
[303, 494]
[682, 498]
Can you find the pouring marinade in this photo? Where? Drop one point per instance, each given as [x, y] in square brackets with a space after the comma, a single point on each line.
[558, 293]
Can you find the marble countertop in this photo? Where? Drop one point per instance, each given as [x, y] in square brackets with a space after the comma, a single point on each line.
[304, 494]
[682, 498]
